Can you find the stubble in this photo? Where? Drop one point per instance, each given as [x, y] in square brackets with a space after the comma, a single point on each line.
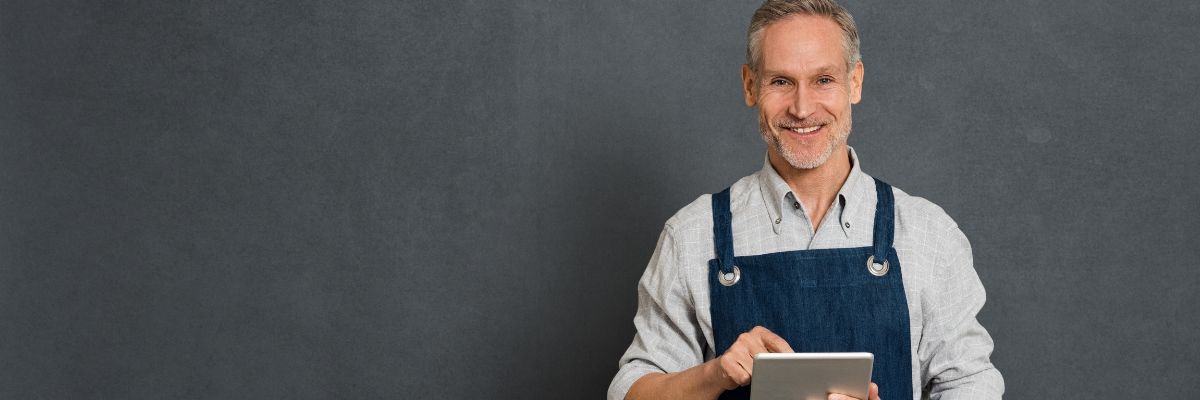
[801, 158]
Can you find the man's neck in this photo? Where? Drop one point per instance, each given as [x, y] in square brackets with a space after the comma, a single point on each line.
[815, 188]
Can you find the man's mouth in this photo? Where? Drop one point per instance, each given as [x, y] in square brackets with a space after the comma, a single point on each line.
[806, 130]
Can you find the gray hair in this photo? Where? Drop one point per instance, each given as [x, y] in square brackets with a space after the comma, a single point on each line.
[772, 11]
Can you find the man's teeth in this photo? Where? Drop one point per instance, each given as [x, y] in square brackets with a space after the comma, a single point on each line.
[806, 130]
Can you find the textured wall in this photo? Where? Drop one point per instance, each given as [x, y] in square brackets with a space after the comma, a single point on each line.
[446, 200]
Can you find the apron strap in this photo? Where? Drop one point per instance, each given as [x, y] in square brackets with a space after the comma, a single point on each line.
[723, 230]
[885, 220]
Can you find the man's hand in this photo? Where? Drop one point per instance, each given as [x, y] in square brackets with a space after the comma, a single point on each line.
[735, 367]
[709, 380]
[873, 396]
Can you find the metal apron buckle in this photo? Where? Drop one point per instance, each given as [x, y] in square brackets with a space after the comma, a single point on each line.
[877, 269]
[736, 276]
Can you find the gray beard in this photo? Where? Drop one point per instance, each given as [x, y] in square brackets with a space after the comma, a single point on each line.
[791, 155]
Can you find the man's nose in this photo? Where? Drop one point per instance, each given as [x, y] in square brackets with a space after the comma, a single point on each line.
[802, 103]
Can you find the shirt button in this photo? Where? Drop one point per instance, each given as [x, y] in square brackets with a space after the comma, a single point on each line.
[796, 204]
[778, 219]
[847, 225]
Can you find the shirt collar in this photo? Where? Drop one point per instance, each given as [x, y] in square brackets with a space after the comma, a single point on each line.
[852, 197]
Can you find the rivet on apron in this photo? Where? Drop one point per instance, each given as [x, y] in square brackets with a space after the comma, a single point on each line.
[728, 279]
[877, 269]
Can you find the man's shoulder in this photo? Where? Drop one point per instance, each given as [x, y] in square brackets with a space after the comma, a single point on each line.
[697, 215]
[919, 211]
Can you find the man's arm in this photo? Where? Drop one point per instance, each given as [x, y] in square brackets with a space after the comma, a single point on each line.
[666, 358]
[955, 350]
[694, 383]
[710, 379]
[669, 337]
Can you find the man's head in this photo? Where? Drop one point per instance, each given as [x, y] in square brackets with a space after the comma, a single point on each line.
[772, 11]
[803, 73]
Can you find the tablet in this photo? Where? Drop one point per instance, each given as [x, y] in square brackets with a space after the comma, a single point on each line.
[810, 376]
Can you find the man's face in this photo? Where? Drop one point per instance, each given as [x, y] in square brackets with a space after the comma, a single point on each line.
[803, 90]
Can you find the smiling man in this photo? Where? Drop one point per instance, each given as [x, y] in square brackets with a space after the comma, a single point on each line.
[809, 254]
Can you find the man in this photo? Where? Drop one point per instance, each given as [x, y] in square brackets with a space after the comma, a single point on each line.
[809, 254]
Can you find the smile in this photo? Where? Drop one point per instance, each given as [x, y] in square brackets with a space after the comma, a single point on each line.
[806, 130]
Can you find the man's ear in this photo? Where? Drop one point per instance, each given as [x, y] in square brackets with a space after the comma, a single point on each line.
[856, 78]
[748, 85]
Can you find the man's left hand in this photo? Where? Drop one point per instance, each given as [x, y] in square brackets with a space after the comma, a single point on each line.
[873, 396]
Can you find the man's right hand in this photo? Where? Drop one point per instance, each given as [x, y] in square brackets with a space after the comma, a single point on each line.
[710, 379]
[736, 366]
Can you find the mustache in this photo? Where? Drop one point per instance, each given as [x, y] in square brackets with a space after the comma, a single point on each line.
[791, 123]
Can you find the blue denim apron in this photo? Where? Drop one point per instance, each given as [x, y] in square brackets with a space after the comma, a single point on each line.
[825, 300]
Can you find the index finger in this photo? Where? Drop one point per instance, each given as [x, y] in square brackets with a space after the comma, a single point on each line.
[776, 344]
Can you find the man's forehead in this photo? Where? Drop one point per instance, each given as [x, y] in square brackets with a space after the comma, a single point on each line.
[797, 26]
[806, 68]
[804, 41]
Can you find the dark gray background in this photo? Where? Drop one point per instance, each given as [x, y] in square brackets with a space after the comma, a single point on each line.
[454, 200]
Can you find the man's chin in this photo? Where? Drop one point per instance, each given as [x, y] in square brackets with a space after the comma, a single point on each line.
[804, 155]
[810, 159]
[807, 164]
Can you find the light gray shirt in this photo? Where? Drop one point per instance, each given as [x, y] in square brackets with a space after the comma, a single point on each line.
[950, 350]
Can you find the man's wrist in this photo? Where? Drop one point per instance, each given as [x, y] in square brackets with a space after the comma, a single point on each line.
[714, 380]
[704, 381]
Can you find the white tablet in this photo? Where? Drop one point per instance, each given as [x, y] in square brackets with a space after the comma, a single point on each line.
[810, 376]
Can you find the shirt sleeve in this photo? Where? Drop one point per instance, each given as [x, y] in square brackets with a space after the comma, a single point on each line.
[955, 349]
[668, 337]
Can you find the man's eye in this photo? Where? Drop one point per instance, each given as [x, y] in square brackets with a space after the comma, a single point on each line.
[779, 82]
[824, 81]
